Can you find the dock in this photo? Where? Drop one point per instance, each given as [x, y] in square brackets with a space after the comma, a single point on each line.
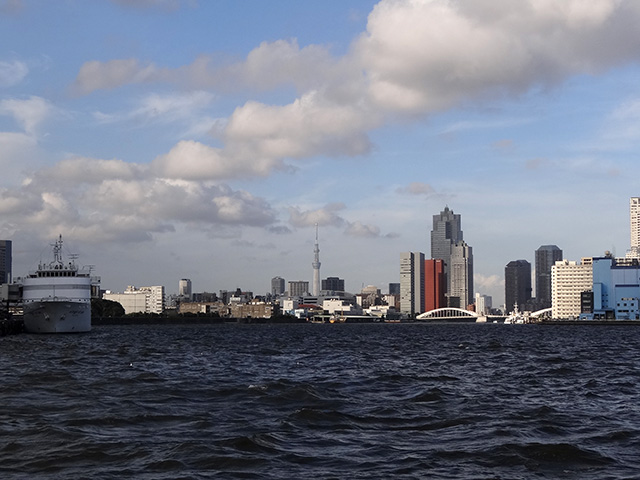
[11, 326]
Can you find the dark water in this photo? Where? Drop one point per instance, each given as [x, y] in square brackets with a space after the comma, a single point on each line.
[322, 401]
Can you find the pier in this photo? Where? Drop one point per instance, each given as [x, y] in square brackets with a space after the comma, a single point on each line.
[10, 326]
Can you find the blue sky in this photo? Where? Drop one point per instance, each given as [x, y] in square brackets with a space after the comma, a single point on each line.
[168, 139]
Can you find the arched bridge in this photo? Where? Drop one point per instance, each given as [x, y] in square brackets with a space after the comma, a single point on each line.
[446, 312]
[545, 312]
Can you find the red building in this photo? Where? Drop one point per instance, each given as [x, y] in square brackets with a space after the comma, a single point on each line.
[434, 285]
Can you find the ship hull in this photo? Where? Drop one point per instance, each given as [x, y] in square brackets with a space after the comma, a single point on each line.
[57, 317]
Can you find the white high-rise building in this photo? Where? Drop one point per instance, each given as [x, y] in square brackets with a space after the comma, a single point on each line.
[634, 227]
[316, 267]
[411, 282]
[483, 304]
[461, 276]
[568, 280]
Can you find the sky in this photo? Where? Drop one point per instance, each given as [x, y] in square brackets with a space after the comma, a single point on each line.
[169, 139]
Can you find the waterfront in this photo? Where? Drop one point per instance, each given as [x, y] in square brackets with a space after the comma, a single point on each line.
[328, 401]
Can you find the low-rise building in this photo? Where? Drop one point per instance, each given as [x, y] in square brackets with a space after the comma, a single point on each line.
[253, 310]
[207, 308]
[616, 290]
[139, 300]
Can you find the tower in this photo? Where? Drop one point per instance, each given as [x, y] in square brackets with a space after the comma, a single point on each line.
[546, 257]
[316, 266]
[517, 284]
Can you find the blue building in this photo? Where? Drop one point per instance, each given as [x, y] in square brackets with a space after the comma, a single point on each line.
[616, 290]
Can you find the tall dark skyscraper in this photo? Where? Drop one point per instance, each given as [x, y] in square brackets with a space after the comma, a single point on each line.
[445, 233]
[517, 284]
[546, 257]
[5, 261]
[447, 239]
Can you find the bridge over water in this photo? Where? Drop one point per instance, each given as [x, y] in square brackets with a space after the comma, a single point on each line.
[454, 313]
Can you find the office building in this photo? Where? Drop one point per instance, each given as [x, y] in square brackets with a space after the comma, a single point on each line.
[434, 285]
[634, 227]
[394, 289]
[568, 280]
[316, 266]
[461, 276]
[546, 257]
[184, 289]
[616, 290]
[5, 261]
[277, 286]
[411, 283]
[483, 304]
[517, 285]
[333, 284]
[445, 233]
[298, 288]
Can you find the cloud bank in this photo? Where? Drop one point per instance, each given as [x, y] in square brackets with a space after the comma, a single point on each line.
[415, 58]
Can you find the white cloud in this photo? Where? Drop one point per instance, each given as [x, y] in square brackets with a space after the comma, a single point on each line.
[359, 229]
[191, 160]
[28, 113]
[417, 188]
[325, 216]
[309, 126]
[12, 73]
[164, 108]
[424, 56]
[415, 58]
[79, 170]
[104, 200]
[95, 75]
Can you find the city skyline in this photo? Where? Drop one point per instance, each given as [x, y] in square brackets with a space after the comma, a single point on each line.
[177, 139]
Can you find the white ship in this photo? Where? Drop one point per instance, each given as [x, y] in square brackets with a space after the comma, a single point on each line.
[57, 296]
[517, 317]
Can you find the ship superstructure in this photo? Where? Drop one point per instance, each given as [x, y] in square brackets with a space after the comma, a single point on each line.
[57, 296]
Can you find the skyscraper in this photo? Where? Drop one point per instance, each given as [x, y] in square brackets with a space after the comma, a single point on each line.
[184, 288]
[546, 257]
[445, 233]
[333, 284]
[316, 266]
[447, 239]
[5, 261]
[277, 286]
[412, 282]
[634, 227]
[517, 284]
[461, 275]
[434, 286]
